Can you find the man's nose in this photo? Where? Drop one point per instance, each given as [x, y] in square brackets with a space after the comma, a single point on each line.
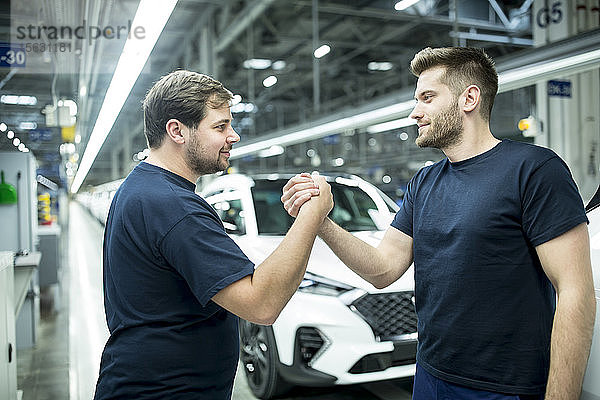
[416, 113]
[233, 137]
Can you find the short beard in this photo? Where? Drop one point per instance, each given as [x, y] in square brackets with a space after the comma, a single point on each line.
[195, 156]
[444, 131]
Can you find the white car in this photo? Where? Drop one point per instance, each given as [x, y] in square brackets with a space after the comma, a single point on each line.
[591, 383]
[337, 329]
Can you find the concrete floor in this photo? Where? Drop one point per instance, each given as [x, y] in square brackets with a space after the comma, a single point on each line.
[65, 361]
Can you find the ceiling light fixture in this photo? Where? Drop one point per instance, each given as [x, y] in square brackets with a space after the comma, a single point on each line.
[338, 162]
[380, 66]
[271, 151]
[257, 63]
[153, 15]
[270, 81]
[16, 141]
[321, 51]
[27, 125]
[3, 127]
[404, 4]
[388, 126]
[236, 99]
[242, 107]
[10, 134]
[18, 100]
[278, 65]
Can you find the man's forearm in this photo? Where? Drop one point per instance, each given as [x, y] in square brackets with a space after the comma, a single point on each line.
[359, 256]
[279, 275]
[571, 340]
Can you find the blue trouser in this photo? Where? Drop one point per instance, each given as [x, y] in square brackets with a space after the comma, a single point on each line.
[428, 387]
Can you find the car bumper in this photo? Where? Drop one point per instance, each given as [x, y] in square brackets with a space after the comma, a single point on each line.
[350, 352]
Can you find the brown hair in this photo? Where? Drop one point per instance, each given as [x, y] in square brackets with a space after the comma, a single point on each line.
[464, 66]
[183, 95]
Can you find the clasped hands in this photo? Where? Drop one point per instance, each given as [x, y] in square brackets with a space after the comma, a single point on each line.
[311, 191]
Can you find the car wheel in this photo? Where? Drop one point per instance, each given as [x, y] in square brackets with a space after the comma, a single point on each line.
[259, 357]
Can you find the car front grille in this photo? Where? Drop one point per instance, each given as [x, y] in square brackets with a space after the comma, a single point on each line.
[390, 315]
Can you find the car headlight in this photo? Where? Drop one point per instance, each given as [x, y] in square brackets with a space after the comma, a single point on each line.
[323, 286]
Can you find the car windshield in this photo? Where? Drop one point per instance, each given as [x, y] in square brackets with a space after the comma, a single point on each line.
[350, 211]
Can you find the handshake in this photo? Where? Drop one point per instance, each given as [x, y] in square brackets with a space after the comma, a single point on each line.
[309, 193]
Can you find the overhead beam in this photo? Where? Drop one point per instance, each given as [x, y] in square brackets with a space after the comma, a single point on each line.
[498, 10]
[392, 15]
[247, 16]
[493, 38]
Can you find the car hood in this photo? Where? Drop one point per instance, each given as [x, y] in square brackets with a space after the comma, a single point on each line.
[323, 261]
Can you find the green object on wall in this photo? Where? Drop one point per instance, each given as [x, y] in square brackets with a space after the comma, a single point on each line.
[8, 193]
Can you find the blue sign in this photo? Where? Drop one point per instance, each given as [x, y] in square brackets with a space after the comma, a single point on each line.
[331, 139]
[559, 88]
[41, 135]
[12, 55]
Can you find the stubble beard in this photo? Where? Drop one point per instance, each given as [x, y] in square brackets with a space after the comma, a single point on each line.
[444, 131]
[198, 161]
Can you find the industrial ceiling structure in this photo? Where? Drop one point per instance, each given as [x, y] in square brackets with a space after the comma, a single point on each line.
[315, 78]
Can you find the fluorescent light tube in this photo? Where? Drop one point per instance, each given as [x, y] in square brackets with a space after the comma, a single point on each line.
[153, 16]
[271, 151]
[534, 73]
[303, 135]
[388, 126]
[404, 4]
[18, 100]
[27, 125]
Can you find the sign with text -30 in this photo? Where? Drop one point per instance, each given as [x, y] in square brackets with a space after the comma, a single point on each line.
[12, 56]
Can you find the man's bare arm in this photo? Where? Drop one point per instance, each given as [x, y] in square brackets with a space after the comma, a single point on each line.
[381, 265]
[566, 261]
[260, 297]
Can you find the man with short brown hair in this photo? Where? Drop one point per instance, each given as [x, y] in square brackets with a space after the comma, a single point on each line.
[174, 281]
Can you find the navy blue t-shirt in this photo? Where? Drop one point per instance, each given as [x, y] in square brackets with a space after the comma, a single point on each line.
[166, 254]
[485, 307]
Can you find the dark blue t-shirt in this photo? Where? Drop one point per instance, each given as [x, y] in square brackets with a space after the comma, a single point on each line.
[485, 307]
[166, 254]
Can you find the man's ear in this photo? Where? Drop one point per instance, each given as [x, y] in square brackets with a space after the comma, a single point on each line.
[471, 97]
[174, 130]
